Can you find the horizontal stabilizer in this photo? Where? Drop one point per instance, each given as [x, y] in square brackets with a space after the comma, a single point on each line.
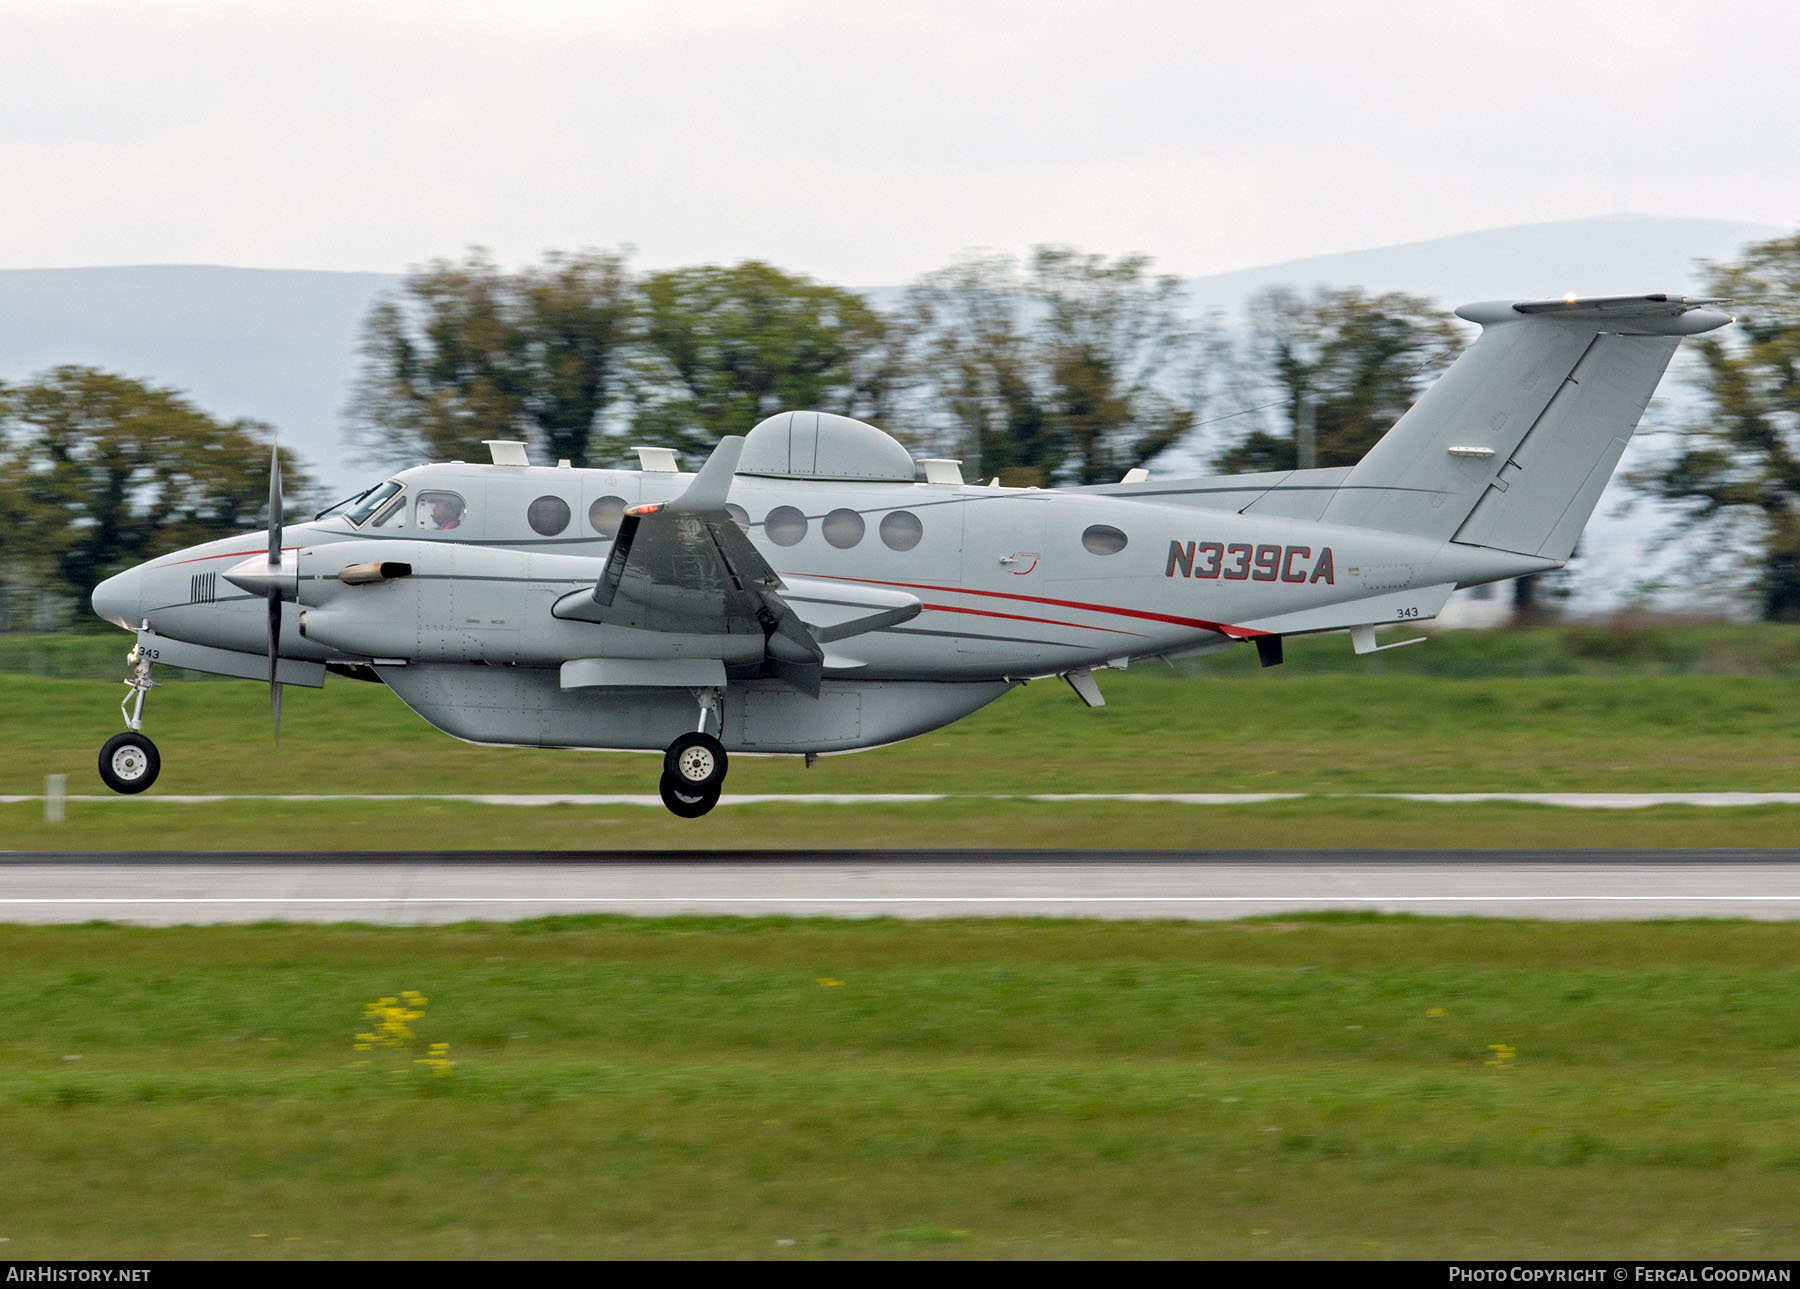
[1637, 315]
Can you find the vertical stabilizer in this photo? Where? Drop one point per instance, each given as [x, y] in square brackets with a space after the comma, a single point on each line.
[1512, 447]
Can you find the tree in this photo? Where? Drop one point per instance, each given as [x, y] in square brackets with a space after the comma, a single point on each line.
[579, 317]
[1067, 369]
[1351, 362]
[99, 472]
[724, 347]
[1739, 468]
[463, 352]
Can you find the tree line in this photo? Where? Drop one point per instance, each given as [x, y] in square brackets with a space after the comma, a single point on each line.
[1063, 367]
[1060, 367]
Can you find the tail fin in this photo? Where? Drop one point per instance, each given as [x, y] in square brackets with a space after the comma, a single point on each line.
[1513, 446]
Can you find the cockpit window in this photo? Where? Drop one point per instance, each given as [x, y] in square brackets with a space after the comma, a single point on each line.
[359, 508]
[391, 514]
[439, 511]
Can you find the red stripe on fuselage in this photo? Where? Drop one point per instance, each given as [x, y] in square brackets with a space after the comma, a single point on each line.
[1019, 617]
[1201, 624]
[201, 559]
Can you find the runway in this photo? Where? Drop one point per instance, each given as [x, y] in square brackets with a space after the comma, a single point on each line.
[159, 889]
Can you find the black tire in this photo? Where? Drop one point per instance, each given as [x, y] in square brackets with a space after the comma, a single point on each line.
[696, 763]
[683, 803]
[129, 763]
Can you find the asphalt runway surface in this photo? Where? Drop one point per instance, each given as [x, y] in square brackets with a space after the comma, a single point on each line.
[397, 888]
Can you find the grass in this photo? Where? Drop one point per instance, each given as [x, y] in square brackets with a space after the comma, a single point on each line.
[142, 824]
[1617, 648]
[1321, 1087]
[1645, 712]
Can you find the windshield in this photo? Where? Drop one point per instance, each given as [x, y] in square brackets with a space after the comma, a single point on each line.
[357, 509]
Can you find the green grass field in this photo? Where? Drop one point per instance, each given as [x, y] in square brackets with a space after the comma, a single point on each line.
[1707, 709]
[1299, 1088]
[1328, 1087]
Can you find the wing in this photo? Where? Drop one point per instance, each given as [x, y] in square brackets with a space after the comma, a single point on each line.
[683, 567]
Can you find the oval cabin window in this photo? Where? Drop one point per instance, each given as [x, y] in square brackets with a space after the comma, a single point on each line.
[548, 516]
[785, 526]
[605, 516]
[901, 530]
[842, 528]
[1103, 539]
[739, 516]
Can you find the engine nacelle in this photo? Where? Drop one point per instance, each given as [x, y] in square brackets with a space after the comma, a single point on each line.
[424, 601]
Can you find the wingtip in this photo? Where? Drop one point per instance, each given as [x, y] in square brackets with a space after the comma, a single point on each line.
[712, 484]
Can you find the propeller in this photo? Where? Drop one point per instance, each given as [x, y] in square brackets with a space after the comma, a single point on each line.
[274, 590]
[275, 579]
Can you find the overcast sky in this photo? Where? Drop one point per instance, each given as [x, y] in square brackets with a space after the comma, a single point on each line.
[864, 143]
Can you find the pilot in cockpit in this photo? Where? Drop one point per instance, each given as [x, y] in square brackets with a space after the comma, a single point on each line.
[446, 511]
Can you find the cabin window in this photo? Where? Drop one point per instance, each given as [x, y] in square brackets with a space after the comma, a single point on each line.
[605, 516]
[548, 516]
[842, 528]
[901, 530]
[739, 516]
[439, 512]
[1103, 539]
[785, 526]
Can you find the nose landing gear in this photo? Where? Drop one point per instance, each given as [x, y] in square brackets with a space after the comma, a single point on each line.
[129, 762]
[694, 766]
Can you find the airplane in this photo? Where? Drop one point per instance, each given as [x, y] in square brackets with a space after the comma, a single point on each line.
[806, 592]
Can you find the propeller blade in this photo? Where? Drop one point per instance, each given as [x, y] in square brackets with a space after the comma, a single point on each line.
[273, 593]
[274, 656]
[274, 505]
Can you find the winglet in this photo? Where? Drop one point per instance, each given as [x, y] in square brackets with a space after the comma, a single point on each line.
[706, 494]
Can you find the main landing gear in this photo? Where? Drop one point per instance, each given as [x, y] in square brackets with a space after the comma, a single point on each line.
[694, 765]
[129, 761]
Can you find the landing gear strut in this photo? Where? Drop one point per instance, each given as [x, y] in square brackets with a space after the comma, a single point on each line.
[694, 765]
[129, 762]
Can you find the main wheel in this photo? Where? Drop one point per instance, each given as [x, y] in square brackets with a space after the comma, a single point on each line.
[684, 802]
[696, 763]
[129, 763]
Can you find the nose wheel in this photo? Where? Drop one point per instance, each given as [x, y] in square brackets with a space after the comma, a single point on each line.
[129, 762]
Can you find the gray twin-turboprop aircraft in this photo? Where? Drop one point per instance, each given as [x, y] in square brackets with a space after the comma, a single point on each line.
[805, 592]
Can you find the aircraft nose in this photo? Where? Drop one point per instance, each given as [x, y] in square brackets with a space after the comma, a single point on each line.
[120, 599]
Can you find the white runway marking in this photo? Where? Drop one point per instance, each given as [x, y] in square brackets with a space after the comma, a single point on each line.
[1570, 800]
